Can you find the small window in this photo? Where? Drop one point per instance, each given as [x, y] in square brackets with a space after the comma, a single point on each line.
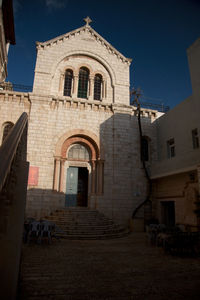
[171, 148]
[97, 87]
[195, 139]
[78, 152]
[68, 83]
[83, 83]
[7, 127]
[144, 149]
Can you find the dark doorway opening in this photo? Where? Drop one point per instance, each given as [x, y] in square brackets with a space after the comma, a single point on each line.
[76, 187]
[168, 213]
[82, 195]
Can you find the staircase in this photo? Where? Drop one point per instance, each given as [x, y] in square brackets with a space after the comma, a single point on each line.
[85, 223]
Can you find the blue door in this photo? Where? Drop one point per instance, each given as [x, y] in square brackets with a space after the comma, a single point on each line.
[72, 187]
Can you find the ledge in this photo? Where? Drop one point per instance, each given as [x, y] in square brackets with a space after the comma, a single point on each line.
[77, 103]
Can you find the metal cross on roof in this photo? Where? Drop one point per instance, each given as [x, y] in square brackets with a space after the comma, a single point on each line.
[87, 21]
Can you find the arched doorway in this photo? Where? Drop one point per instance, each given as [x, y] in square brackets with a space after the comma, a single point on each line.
[78, 170]
[77, 176]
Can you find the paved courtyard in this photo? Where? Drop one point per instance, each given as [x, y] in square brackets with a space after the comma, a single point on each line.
[125, 268]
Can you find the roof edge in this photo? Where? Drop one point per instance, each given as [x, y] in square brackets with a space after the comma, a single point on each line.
[93, 33]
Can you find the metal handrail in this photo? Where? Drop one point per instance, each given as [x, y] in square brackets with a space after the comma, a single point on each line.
[159, 107]
[9, 147]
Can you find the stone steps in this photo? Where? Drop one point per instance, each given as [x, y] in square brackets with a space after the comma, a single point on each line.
[83, 223]
[93, 237]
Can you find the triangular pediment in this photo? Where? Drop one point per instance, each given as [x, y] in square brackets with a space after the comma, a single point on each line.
[91, 34]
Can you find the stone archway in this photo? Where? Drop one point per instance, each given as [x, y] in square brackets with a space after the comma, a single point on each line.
[94, 163]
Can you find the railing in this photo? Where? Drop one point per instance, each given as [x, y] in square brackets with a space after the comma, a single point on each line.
[147, 102]
[15, 87]
[9, 147]
[156, 106]
[144, 104]
[13, 188]
[22, 88]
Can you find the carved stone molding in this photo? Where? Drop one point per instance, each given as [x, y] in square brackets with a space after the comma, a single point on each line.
[92, 34]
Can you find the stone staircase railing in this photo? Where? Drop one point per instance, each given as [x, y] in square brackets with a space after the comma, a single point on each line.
[13, 187]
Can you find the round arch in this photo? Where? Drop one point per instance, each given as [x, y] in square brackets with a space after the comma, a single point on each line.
[86, 134]
[95, 56]
[79, 140]
[95, 163]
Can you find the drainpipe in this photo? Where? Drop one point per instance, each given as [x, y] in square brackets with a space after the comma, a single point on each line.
[137, 94]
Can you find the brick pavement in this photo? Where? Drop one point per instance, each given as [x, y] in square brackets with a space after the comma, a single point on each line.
[125, 268]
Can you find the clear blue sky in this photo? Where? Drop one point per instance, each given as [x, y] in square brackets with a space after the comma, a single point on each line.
[154, 33]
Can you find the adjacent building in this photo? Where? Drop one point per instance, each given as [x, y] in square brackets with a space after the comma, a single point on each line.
[176, 174]
[7, 35]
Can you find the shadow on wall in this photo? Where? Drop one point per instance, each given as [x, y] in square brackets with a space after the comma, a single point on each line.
[42, 202]
[123, 186]
[125, 183]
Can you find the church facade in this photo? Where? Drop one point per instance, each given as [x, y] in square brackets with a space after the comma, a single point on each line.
[84, 144]
[83, 138]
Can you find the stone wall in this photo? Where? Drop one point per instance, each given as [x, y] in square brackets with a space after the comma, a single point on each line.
[114, 128]
[82, 47]
[13, 104]
[117, 182]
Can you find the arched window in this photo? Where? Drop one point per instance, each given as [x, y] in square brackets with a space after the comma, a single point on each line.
[145, 148]
[68, 82]
[78, 152]
[6, 129]
[83, 83]
[97, 87]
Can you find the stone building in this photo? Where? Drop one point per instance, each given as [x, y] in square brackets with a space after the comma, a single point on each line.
[83, 138]
[84, 145]
[7, 35]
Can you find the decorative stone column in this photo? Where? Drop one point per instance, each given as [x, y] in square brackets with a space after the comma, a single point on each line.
[75, 87]
[103, 90]
[56, 173]
[93, 189]
[100, 176]
[91, 88]
[62, 162]
[61, 84]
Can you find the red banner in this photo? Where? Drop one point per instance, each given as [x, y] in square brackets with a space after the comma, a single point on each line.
[33, 175]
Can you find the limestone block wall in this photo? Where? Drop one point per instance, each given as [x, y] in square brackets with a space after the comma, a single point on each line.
[116, 133]
[12, 105]
[116, 129]
[57, 53]
[75, 63]
[49, 121]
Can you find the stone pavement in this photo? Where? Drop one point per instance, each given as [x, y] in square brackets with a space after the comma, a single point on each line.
[124, 268]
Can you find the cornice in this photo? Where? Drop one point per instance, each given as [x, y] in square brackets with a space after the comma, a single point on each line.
[94, 35]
